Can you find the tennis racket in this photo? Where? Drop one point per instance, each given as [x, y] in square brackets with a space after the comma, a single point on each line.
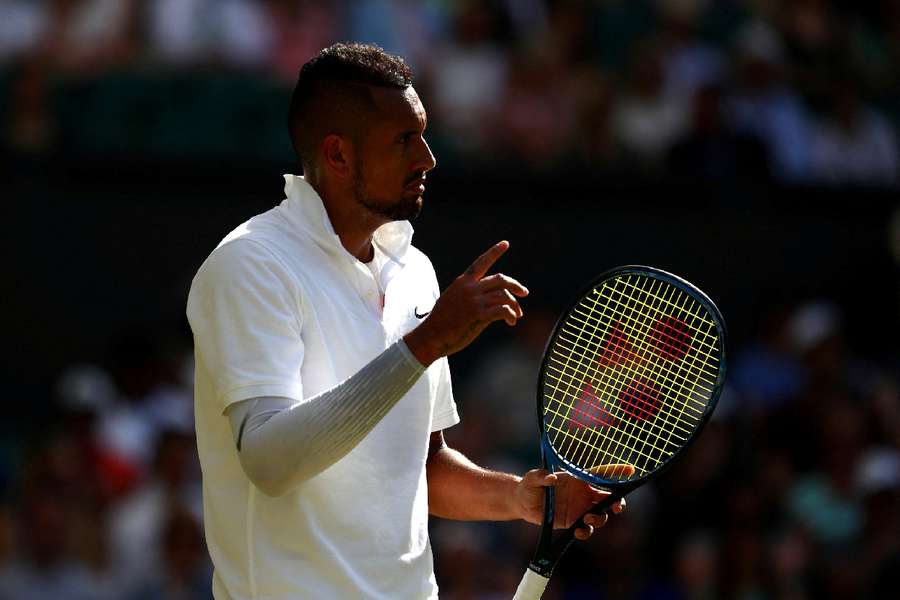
[630, 375]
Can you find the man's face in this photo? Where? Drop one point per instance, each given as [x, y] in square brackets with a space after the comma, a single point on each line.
[393, 157]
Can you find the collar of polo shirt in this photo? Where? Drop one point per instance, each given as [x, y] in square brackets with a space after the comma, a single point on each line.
[305, 204]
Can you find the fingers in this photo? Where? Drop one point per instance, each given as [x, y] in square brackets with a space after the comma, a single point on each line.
[613, 471]
[484, 262]
[504, 298]
[502, 313]
[591, 522]
[619, 507]
[499, 280]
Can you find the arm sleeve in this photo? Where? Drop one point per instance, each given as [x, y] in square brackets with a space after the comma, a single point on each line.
[282, 442]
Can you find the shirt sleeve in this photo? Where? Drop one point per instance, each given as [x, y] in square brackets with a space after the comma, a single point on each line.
[445, 414]
[246, 315]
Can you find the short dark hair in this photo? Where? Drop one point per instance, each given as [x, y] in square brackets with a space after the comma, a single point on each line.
[332, 93]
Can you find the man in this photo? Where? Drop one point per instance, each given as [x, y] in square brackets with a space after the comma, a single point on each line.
[322, 380]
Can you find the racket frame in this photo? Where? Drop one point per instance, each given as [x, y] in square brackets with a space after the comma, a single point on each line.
[550, 550]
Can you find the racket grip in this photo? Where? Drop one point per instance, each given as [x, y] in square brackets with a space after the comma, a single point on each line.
[531, 587]
[603, 507]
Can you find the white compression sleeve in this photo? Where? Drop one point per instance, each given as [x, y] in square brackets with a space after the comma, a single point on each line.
[282, 442]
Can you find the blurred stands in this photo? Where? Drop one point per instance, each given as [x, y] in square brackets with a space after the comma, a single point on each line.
[608, 83]
[749, 145]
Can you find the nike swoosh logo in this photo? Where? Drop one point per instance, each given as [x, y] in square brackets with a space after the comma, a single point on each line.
[423, 315]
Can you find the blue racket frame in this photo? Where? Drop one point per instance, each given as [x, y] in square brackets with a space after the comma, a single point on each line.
[550, 550]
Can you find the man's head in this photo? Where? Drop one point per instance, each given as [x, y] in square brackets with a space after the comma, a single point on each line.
[357, 125]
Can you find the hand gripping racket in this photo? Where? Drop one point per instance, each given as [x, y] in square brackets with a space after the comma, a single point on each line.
[630, 375]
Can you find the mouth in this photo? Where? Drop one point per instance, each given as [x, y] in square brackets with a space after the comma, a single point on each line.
[416, 187]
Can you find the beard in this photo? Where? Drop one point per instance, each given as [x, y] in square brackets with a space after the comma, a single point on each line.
[404, 208]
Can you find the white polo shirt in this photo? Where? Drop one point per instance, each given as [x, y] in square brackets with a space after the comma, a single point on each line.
[280, 308]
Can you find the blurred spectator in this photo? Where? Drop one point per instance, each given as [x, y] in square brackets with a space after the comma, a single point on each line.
[45, 570]
[645, 122]
[245, 36]
[537, 122]
[711, 151]
[30, 127]
[301, 28]
[878, 483]
[469, 76]
[742, 561]
[89, 547]
[86, 393]
[825, 501]
[89, 35]
[180, 32]
[854, 144]
[185, 572]
[696, 565]
[152, 400]
[811, 31]
[790, 558]
[405, 27]
[138, 522]
[766, 372]
[764, 105]
[23, 24]
[689, 63]
[594, 143]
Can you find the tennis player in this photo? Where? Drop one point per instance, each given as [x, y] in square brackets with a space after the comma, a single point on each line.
[322, 383]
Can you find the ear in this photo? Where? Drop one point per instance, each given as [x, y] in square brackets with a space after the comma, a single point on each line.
[337, 155]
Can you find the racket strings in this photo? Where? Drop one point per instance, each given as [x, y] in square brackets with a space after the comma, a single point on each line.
[627, 430]
[645, 394]
[627, 433]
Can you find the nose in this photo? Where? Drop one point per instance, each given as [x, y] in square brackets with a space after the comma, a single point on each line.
[428, 162]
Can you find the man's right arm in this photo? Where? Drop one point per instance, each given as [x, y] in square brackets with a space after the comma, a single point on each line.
[282, 442]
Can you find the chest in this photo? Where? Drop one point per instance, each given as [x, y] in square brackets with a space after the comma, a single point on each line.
[348, 317]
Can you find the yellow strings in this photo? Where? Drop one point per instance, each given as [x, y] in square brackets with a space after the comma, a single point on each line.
[676, 383]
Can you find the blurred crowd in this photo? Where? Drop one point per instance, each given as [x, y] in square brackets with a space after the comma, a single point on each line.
[102, 498]
[791, 493]
[793, 91]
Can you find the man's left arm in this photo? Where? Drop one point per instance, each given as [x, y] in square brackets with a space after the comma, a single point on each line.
[459, 489]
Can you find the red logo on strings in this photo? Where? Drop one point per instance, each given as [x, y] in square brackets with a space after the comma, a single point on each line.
[617, 348]
[670, 337]
[640, 399]
[588, 411]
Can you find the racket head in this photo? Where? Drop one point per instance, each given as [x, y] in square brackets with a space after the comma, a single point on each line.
[631, 373]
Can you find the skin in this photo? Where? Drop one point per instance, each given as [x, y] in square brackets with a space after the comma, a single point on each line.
[372, 178]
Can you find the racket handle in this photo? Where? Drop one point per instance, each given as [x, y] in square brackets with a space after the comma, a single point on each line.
[531, 587]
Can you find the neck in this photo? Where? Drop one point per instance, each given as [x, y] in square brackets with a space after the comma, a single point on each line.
[352, 223]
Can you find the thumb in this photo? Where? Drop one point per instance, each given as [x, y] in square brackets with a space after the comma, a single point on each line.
[540, 478]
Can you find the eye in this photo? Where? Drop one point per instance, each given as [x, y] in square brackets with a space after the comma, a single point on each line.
[406, 137]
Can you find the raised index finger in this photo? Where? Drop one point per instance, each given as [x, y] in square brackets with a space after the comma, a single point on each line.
[484, 262]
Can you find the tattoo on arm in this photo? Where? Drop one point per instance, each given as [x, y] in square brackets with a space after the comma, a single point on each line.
[436, 443]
